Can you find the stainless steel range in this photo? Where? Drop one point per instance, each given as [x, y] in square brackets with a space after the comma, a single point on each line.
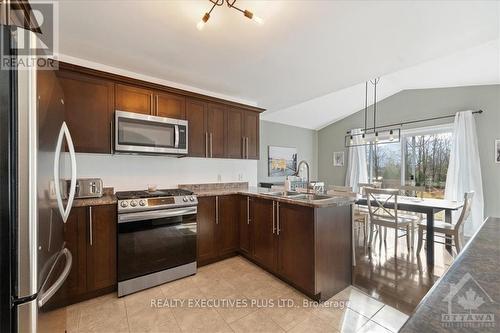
[156, 238]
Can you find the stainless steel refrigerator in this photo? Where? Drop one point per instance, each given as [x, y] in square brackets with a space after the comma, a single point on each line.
[37, 157]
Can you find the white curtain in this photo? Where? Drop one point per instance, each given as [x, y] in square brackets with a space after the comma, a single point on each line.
[357, 169]
[464, 170]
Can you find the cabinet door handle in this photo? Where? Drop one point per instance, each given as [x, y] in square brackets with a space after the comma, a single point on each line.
[206, 144]
[111, 137]
[278, 228]
[91, 227]
[216, 209]
[247, 147]
[274, 218]
[248, 210]
[211, 146]
[243, 147]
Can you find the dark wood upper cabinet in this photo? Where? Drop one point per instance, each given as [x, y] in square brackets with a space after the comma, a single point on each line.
[196, 113]
[234, 133]
[227, 224]
[89, 105]
[296, 245]
[251, 133]
[264, 234]
[101, 247]
[206, 230]
[215, 127]
[170, 105]
[134, 99]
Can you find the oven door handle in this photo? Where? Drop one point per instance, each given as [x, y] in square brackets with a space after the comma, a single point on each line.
[157, 214]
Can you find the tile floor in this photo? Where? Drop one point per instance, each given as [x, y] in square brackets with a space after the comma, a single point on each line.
[248, 292]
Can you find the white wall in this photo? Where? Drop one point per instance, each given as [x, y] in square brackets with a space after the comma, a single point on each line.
[134, 172]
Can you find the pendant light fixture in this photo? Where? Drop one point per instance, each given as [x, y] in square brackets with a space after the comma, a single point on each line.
[231, 4]
[375, 135]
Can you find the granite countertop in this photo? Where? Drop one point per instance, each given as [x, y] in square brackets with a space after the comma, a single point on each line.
[261, 192]
[108, 198]
[467, 297]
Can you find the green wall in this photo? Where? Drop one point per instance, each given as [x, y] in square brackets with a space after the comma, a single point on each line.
[274, 134]
[426, 103]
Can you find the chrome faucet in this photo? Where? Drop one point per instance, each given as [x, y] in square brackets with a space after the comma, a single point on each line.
[298, 171]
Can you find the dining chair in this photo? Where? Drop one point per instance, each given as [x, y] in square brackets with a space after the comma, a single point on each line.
[409, 191]
[383, 216]
[455, 230]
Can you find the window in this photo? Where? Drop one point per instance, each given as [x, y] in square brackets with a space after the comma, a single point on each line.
[420, 159]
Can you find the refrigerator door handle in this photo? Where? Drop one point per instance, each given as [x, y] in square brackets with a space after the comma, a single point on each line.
[46, 295]
[64, 132]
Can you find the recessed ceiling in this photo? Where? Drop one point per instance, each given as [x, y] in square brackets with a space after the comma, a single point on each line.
[305, 49]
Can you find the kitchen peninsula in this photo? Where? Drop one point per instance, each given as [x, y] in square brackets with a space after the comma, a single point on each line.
[303, 239]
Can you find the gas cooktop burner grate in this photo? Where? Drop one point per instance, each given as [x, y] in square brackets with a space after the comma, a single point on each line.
[123, 195]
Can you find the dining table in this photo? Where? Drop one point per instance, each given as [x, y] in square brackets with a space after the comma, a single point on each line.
[427, 206]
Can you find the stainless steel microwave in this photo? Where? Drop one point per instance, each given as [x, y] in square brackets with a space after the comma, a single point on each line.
[144, 134]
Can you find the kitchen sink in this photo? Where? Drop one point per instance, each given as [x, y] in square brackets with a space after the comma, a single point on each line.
[311, 196]
[299, 196]
[284, 194]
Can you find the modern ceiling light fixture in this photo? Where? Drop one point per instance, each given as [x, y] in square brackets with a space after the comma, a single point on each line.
[231, 4]
[375, 135]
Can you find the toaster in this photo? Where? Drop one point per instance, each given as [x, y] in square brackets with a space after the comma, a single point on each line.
[88, 188]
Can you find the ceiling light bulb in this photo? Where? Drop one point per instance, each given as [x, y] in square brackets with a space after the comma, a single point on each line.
[352, 140]
[204, 20]
[200, 25]
[253, 17]
[258, 19]
[391, 135]
[376, 136]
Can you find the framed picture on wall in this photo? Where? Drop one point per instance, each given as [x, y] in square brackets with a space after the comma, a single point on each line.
[497, 151]
[282, 161]
[338, 159]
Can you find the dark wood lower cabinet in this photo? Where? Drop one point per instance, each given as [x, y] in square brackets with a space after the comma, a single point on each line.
[245, 231]
[101, 247]
[296, 245]
[310, 248]
[206, 247]
[90, 236]
[264, 234]
[227, 224]
[217, 228]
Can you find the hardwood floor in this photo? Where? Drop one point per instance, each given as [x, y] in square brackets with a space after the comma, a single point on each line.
[401, 281]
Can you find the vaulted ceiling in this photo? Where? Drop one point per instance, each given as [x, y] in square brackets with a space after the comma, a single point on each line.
[306, 57]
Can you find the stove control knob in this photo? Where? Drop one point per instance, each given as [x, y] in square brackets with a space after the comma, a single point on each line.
[191, 198]
[124, 204]
[133, 203]
[185, 199]
[142, 203]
